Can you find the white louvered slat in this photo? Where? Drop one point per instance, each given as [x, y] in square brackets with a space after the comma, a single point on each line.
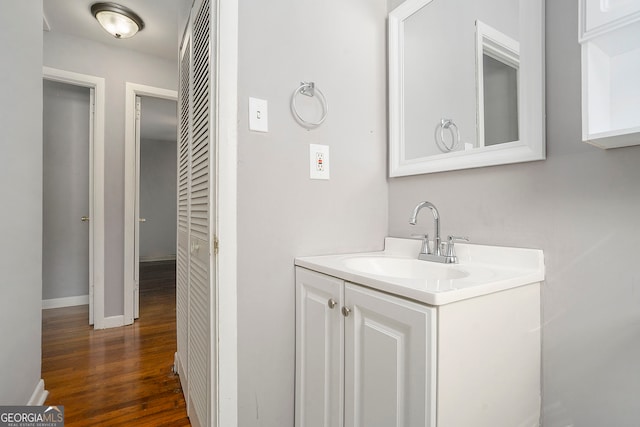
[182, 252]
[185, 136]
[200, 159]
[199, 354]
[199, 224]
[196, 206]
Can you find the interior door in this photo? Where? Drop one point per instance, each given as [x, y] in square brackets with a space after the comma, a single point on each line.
[136, 244]
[92, 115]
[183, 247]
[202, 184]
[67, 182]
[197, 245]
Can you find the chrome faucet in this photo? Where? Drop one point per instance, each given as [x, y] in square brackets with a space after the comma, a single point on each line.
[439, 253]
[436, 225]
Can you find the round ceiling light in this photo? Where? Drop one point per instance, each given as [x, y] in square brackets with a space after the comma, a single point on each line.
[117, 20]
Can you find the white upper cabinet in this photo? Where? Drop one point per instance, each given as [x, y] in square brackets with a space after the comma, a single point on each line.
[610, 38]
[597, 16]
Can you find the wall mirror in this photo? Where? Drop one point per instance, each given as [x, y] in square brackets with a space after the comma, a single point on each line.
[466, 84]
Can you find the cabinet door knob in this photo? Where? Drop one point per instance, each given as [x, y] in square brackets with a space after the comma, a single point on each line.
[346, 311]
[332, 303]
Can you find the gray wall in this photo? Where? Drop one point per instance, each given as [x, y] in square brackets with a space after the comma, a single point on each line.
[158, 186]
[581, 206]
[65, 252]
[281, 213]
[21, 194]
[117, 66]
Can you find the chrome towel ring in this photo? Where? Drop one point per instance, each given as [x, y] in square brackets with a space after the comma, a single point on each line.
[309, 89]
[440, 135]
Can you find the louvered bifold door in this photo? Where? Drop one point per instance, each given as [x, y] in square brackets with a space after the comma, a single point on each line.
[201, 336]
[182, 257]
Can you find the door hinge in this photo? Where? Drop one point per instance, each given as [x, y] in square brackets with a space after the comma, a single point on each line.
[216, 245]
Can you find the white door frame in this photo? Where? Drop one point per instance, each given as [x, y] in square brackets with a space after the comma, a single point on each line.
[96, 187]
[226, 283]
[225, 399]
[131, 180]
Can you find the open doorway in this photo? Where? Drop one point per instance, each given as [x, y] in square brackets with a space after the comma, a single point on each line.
[157, 194]
[150, 185]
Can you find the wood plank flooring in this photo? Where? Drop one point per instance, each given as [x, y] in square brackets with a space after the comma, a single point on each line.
[120, 376]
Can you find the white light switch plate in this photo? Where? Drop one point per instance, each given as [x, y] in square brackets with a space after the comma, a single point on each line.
[258, 115]
[318, 161]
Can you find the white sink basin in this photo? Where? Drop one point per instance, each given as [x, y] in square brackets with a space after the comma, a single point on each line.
[397, 270]
[404, 268]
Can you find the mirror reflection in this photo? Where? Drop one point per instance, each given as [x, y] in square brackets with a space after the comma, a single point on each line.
[445, 76]
[455, 80]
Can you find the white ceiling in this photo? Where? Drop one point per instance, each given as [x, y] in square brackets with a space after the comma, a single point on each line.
[159, 38]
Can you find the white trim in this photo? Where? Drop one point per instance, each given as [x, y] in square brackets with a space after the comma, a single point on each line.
[531, 98]
[45, 23]
[113, 322]
[97, 192]
[176, 361]
[157, 258]
[130, 173]
[500, 47]
[226, 310]
[39, 395]
[65, 302]
[178, 368]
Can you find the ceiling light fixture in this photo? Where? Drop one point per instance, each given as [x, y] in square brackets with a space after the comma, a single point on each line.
[117, 20]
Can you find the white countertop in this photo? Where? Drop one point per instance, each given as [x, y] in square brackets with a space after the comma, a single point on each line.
[487, 269]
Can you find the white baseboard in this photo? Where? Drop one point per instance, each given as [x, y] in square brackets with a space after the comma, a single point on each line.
[65, 302]
[113, 322]
[39, 395]
[178, 368]
[157, 258]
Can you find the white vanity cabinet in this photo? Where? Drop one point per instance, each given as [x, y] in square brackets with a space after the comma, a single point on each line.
[319, 350]
[365, 358]
[610, 40]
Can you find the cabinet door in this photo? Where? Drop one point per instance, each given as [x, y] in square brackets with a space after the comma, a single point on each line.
[390, 348]
[319, 350]
[599, 16]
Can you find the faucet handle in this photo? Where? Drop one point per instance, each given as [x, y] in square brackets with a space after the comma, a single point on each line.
[425, 243]
[450, 241]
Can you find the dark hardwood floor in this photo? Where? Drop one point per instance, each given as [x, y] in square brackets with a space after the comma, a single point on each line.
[120, 376]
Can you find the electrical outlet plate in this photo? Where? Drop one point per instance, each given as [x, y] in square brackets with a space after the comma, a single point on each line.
[318, 161]
[258, 115]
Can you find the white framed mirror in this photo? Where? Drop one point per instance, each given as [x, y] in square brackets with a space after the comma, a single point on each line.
[466, 84]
